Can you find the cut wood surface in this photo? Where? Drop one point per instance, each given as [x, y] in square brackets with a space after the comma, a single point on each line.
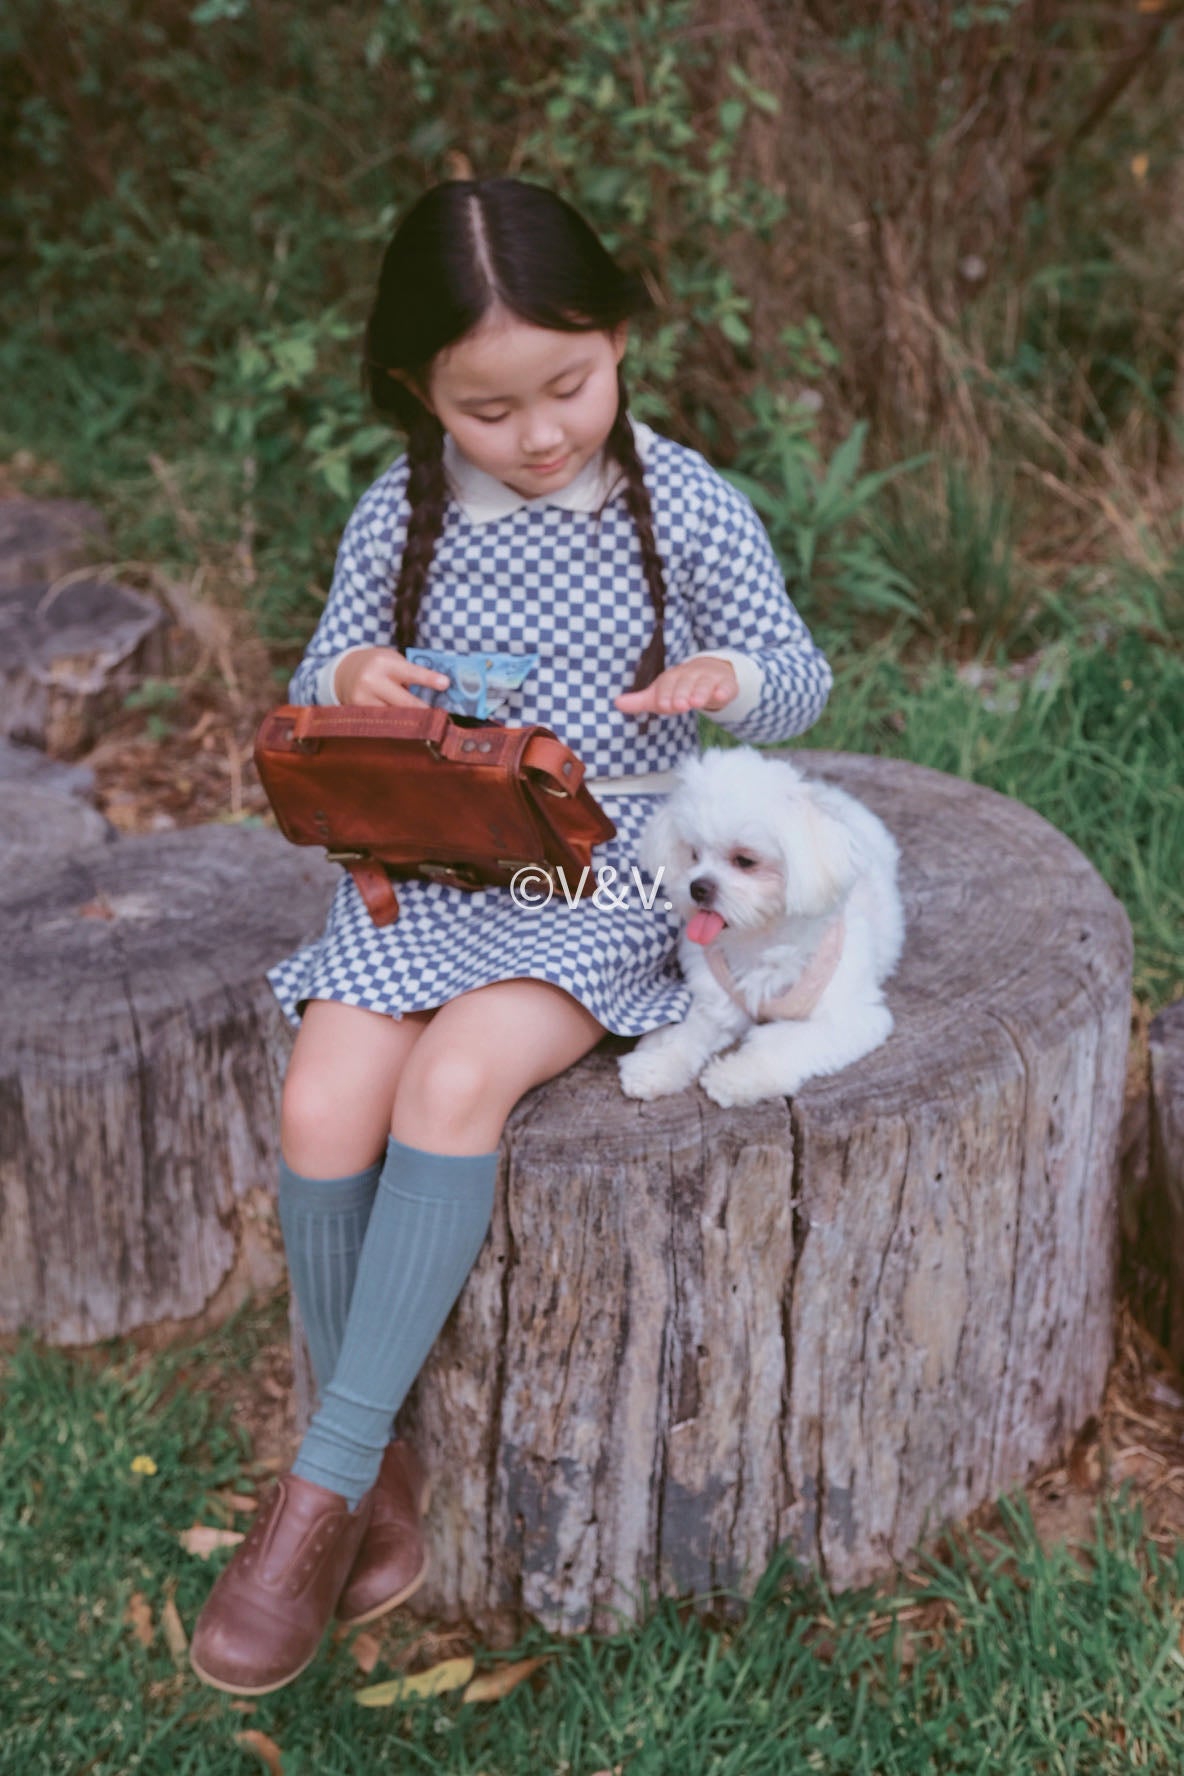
[1166, 1170]
[695, 1334]
[141, 1059]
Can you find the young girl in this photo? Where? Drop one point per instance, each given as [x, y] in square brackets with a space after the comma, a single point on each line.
[628, 586]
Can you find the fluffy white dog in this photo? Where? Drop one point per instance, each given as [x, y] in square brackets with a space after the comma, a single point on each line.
[794, 919]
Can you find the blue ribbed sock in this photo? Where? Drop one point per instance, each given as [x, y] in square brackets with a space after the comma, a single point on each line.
[324, 1223]
[430, 1216]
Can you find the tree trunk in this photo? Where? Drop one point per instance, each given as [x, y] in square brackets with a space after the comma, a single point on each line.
[141, 1059]
[835, 1322]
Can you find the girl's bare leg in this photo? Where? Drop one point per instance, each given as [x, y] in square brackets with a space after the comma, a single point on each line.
[341, 1084]
[479, 1055]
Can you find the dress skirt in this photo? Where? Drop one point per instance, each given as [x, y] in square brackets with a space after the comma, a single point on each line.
[613, 953]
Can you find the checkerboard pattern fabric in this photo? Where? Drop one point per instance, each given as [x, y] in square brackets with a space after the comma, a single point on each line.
[570, 587]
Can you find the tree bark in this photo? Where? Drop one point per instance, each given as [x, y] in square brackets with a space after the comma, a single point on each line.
[833, 1322]
[141, 1060]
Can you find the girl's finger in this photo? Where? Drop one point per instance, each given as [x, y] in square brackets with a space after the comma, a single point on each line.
[424, 675]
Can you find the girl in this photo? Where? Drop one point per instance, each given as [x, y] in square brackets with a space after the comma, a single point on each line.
[530, 518]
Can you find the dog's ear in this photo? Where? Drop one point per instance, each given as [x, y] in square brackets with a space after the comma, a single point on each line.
[657, 841]
[820, 863]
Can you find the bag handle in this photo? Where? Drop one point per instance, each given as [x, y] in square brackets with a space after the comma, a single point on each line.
[353, 721]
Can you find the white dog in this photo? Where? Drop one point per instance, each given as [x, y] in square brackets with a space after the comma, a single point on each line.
[793, 919]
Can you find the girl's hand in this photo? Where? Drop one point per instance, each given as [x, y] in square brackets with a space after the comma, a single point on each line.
[696, 684]
[379, 675]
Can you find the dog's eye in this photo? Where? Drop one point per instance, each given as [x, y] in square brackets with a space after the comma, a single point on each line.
[743, 861]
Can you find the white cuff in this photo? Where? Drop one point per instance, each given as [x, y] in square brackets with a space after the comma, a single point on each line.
[749, 678]
[326, 691]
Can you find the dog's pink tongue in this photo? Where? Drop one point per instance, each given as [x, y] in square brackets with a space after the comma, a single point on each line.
[702, 927]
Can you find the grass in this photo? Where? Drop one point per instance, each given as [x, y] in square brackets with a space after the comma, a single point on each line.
[1007, 1657]
[1089, 732]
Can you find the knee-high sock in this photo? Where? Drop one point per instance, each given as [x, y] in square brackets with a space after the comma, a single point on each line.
[429, 1220]
[324, 1223]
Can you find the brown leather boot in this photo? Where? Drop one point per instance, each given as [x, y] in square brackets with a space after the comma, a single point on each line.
[263, 1620]
[392, 1562]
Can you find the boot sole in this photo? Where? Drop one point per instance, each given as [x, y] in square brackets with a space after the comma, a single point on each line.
[219, 1683]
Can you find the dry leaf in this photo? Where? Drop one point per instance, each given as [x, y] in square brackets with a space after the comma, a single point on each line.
[366, 1650]
[202, 1538]
[138, 1615]
[265, 1749]
[238, 1501]
[173, 1630]
[491, 1686]
[450, 1674]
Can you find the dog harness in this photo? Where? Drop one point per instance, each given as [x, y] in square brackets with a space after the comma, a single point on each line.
[799, 1000]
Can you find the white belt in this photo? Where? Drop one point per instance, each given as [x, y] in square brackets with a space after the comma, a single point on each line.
[641, 783]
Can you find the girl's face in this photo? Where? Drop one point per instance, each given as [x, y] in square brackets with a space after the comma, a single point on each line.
[527, 405]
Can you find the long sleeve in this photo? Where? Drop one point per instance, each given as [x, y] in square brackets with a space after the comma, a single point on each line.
[359, 609]
[740, 610]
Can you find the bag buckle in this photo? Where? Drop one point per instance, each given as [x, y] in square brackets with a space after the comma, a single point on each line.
[456, 875]
[520, 863]
[347, 856]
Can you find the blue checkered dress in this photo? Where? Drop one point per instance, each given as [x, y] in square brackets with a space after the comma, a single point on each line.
[569, 586]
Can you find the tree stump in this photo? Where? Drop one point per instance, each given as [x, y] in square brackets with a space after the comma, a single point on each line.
[1166, 1168]
[833, 1322]
[36, 821]
[141, 1059]
[71, 653]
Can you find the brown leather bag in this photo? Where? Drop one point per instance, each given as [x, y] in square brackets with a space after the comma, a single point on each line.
[400, 792]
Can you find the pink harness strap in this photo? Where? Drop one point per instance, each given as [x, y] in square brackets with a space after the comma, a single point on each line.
[799, 1000]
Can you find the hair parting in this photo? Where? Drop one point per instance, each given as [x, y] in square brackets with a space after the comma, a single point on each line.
[466, 245]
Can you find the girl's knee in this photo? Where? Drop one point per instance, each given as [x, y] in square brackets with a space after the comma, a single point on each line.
[449, 1084]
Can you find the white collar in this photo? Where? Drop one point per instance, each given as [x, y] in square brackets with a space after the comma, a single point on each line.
[483, 497]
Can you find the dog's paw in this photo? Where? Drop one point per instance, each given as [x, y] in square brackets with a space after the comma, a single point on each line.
[733, 1080]
[653, 1072]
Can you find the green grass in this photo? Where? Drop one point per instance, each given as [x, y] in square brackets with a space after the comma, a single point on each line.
[1091, 736]
[1031, 1663]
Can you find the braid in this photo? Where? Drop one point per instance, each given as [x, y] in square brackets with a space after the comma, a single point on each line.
[427, 491]
[621, 445]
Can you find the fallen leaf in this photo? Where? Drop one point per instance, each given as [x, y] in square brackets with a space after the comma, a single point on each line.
[173, 1630]
[450, 1674]
[138, 1615]
[491, 1686]
[238, 1501]
[143, 1464]
[264, 1748]
[366, 1650]
[202, 1538]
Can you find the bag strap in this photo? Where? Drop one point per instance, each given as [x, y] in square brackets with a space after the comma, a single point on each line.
[376, 889]
[550, 758]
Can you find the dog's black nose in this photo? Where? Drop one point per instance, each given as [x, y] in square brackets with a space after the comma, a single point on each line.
[702, 891]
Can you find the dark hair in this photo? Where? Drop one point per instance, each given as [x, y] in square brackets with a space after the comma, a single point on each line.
[464, 246]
